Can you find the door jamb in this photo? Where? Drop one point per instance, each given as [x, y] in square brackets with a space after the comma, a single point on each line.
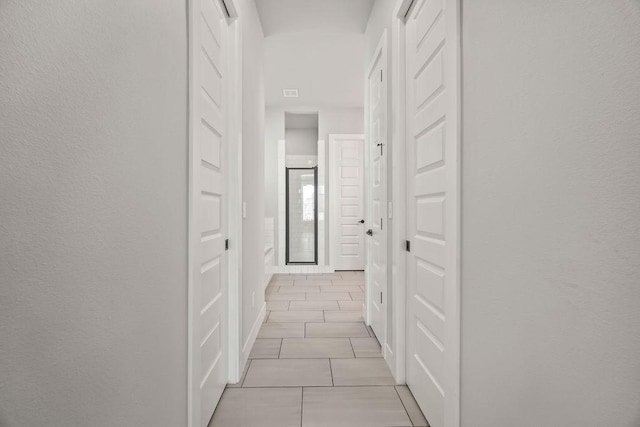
[333, 213]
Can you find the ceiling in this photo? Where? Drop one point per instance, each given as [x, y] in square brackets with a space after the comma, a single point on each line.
[317, 47]
[288, 16]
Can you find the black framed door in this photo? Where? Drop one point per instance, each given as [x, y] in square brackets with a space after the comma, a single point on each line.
[302, 215]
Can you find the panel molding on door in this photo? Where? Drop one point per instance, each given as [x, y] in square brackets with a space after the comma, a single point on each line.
[208, 208]
[432, 164]
[346, 192]
[377, 151]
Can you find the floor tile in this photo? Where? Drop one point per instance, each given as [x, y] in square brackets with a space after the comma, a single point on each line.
[314, 305]
[347, 282]
[281, 330]
[302, 348]
[357, 296]
[281, 283]
[366, 347]
[336, 329]
[277, 296]
[348, 288]
[312, 283]
[328, 296]
[298, 289]
[266, 348]
[259, 407]
[352, 372]
[412, 408]
[289, 372]
[350, 305]
[296, 316]
[353, 407]
[277, 305]
[343, 316]
[324, 276]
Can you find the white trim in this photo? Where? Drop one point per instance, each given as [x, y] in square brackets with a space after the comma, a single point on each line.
[251, 339]
[399, 190]
[333, 214]
[452, 363]
[282, 237]
[322, 202]
[234, 191]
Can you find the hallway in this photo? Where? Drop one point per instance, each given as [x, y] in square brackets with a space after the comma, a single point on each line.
[316, 363]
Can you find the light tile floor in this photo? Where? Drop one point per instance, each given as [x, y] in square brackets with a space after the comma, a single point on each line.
[315, 363]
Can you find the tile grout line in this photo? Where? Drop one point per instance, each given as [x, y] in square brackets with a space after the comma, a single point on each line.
[331, 370]
[352, 349]
[395, 388]
[280, 349]
[245, 376]
[302, 406]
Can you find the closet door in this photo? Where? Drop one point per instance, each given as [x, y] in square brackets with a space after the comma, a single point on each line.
[432, 209]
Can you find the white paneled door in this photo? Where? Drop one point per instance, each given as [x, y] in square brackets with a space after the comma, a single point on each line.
[347, 202]
[377, 221]
[432, 209]
[208, 257]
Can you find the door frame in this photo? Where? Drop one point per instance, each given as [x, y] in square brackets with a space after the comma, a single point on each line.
[234, 193]
[399, 195]
[379, 52]
[333, 213]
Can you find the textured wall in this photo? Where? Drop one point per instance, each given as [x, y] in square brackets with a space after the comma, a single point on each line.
[253, 167]
[93, 183]
[551, 213]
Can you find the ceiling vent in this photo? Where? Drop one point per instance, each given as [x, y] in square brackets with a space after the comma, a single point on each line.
[290, 93]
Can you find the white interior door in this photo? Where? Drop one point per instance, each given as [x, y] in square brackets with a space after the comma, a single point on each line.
[209, 288]
[377, 221]
[432, 210]
[347, 201]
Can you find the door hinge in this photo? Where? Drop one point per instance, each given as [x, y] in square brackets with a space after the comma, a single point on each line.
[380, 224]
[226, 244]
[380, 297]
[381, 74]
[407, 245]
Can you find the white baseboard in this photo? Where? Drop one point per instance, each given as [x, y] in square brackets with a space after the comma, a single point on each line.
[251, 339]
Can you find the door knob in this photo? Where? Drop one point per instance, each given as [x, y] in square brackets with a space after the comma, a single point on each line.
[361, 221]
[369, 232]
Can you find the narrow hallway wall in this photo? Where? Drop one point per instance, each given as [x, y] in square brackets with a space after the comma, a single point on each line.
[93, 229]
[253, 167]
[551, 239]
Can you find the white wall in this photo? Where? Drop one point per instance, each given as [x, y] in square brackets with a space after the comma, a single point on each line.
[330, 120]
[551, 211]
[325, 67]
[301, 142]
[253, 171]
[93, 230]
